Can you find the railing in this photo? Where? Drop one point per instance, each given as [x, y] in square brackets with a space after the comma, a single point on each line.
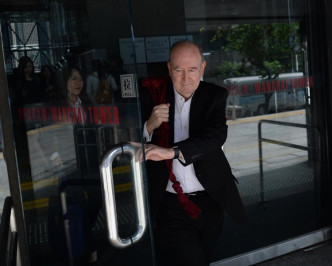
[8, 239]
[260, 140]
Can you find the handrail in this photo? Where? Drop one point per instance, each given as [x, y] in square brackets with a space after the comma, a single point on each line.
[8, 249]
[260, 140]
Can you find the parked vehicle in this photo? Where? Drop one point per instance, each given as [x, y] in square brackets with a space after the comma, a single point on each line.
[255, 95]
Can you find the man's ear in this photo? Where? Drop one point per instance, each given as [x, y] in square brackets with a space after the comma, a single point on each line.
[169, 67]
[203, 67]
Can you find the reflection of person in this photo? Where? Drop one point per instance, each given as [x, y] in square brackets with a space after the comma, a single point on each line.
[26, 91]
[48, 83]
[75, 97]
[92, 80]
[100, 83]
[115, 70]
[105, 87]
[28, 86]
[78, 98]
[185, 126]
[76, 94]
[82, 198]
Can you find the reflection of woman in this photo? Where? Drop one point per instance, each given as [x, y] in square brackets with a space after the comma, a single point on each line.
[83, 201]
[73, 87]
[84, 133]
[76, 94]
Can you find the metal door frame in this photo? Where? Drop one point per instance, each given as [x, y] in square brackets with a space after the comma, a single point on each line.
[278, 249]
[11, 162]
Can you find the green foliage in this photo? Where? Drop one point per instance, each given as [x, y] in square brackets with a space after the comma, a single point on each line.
[272, 69]
[229, 69]
[267, 47]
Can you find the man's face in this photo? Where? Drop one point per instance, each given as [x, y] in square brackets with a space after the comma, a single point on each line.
[186, 68]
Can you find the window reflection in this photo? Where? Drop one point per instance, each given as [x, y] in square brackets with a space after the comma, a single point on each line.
[258, 51]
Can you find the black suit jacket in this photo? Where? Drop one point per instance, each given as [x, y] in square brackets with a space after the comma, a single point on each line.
[203, 148]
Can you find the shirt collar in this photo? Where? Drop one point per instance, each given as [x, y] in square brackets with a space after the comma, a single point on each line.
[179, 98]
[77, 103]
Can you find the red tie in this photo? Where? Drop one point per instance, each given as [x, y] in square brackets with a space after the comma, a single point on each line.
[157, 88]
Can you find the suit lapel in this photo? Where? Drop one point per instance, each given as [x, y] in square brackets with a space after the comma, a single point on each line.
[196, 110]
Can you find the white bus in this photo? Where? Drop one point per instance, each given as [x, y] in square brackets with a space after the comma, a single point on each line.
[254, 95]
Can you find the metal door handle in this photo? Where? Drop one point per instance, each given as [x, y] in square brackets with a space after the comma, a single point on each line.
[109, 196]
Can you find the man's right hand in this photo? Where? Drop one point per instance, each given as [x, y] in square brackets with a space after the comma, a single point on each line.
[160, 114]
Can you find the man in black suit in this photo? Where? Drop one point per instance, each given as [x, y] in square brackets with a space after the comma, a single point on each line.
[190, 180]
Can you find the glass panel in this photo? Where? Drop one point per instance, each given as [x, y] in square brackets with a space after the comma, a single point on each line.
[258, 51]
[63, 68]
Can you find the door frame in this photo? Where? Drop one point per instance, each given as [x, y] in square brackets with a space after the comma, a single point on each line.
[278, 249]
[11, 162]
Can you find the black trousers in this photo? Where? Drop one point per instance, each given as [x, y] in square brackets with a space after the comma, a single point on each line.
[181, 240]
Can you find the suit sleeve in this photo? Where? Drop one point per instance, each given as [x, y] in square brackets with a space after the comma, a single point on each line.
[208, 129]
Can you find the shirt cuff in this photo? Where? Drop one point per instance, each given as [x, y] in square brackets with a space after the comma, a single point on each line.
[146, 135]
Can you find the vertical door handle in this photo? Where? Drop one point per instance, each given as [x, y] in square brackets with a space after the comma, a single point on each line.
[109, 195]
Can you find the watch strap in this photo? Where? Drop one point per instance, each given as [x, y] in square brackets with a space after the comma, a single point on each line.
[176, 152]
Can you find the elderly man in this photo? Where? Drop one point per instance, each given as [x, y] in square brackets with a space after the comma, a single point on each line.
[190, 180]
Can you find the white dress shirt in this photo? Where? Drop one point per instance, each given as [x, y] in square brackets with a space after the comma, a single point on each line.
[184, 174]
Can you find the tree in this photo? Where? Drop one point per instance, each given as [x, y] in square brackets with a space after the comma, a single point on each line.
[265, 49]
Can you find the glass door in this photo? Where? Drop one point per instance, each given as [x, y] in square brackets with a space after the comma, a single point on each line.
[263, 53]
[75, 116]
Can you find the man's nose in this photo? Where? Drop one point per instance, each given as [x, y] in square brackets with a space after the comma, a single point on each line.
[185, 76]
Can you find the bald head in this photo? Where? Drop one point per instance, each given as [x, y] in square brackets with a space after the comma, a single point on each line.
[186, 44]
[186, 67]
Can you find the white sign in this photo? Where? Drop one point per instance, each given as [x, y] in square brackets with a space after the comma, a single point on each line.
[157, 49]
[190, 38]
[176, 38]
[127, 51]
[128, 86]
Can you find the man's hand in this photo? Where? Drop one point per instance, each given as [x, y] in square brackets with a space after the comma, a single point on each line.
[160, 114]
[156, 153]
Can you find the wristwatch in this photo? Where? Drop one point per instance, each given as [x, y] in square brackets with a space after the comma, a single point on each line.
[176, 152]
